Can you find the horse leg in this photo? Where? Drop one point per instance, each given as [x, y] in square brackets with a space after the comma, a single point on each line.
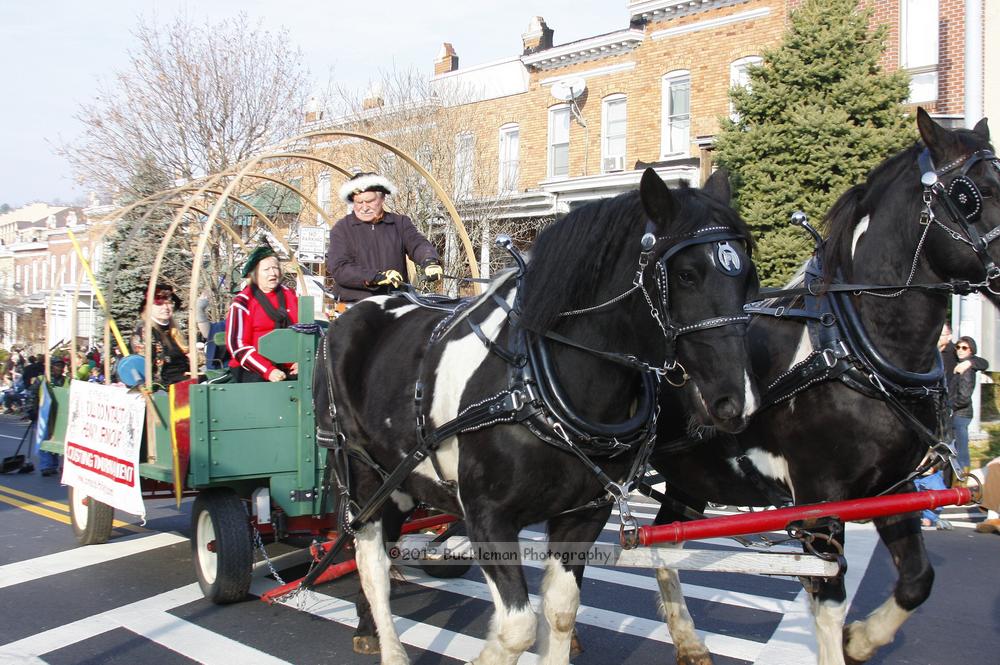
[365, 641]
[513, 625]
[570, 537]
[901, 535]
[373, 568]
[689, 647]
[828, 603]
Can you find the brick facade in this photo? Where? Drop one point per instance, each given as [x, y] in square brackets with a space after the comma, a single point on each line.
[630, 61]
[703, 40]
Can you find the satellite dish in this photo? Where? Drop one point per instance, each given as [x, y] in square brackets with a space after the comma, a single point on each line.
[567, 89]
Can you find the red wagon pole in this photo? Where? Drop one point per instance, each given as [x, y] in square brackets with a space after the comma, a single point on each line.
[338, 570]
[779, 519]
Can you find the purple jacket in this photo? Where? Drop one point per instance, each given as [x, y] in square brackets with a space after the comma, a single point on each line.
[359, 250]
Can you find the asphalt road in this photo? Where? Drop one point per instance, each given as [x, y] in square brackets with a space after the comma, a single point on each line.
[136, 599]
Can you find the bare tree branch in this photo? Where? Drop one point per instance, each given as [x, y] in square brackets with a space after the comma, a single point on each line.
[195, 98]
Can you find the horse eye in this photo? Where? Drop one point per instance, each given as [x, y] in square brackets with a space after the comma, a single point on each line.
[686, 277]
[987, 192]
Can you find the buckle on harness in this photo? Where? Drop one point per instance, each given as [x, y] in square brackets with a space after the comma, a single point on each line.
[829, 358]
[628, 532]
[514, 401]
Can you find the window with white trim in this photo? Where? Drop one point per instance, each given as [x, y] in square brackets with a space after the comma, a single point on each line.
[740, 78]
[918, 48]
[465, 146]
[613, 125]
[676, 124]
[510, 165]
[559, 141]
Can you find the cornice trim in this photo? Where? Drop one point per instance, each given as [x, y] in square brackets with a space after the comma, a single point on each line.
[711, 23]
[602, 46]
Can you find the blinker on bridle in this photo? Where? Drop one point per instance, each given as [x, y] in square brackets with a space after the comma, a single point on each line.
[724, 258]
[963, 203]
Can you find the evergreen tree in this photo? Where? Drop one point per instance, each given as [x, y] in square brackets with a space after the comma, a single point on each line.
[818, 115]
[130, 250]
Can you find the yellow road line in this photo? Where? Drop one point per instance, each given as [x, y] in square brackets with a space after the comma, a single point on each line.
[37, 502]
[34, 509]
[35, 499]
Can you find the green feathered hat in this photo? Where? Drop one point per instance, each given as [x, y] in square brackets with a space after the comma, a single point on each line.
[256, 256]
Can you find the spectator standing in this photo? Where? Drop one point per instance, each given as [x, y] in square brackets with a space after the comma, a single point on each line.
[960, 392]
[48, 463]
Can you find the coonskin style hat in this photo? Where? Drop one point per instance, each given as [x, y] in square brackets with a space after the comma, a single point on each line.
[256, 256]
[365, 182]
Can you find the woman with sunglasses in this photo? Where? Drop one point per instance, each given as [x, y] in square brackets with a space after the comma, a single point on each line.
[960, 387]
[170, 360]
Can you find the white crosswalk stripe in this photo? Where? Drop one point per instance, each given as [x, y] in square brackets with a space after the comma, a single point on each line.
[790, 640]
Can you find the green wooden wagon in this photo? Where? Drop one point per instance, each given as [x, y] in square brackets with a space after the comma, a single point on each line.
[254, 464]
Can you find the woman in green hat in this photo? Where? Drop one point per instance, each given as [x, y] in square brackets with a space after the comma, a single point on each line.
[262, 306]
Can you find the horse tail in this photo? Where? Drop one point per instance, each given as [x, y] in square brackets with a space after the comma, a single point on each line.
[839, 223]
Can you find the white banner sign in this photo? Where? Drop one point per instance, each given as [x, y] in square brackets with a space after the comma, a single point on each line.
[102, 444]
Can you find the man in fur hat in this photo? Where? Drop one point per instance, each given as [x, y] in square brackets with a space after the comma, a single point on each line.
[368, 247]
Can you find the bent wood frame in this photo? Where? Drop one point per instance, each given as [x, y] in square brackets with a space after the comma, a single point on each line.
[248, 169]
[186, 199]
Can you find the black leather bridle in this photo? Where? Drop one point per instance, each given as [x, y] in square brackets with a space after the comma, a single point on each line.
[962, 203]
[654, 273]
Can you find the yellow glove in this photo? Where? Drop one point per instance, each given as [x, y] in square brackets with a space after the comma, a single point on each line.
[388, 278]
[433, 272]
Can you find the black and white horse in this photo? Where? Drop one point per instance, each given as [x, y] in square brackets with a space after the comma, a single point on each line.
[661, 276]
[833, 441]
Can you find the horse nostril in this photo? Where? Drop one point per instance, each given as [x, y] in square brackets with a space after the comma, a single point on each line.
[727, 408]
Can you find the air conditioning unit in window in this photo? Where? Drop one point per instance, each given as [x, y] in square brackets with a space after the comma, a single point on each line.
[616, 163]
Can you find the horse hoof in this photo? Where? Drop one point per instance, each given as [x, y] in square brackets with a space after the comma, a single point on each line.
[575, 648]
[703, 658]
[848, 660]
[366, 645]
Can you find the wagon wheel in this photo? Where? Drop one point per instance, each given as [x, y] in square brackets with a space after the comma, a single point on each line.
[91, 520]
[446, 571]
[220, 543]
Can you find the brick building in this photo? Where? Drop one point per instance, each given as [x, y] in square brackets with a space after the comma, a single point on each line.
[555, 125]
[40, 275]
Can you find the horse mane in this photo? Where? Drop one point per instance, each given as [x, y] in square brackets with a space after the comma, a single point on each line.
[857, 202]
[575, 257]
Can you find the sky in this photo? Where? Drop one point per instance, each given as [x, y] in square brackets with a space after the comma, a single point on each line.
[53, 53]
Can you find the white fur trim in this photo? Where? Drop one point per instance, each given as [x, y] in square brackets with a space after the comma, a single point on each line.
[364, 183]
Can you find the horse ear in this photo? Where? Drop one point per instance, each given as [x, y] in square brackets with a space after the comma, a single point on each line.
[935, 137]
[656, 198]
[717, 186]
[983, 129]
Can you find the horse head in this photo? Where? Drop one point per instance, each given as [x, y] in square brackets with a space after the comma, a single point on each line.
[703, 275]
[961, 188]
